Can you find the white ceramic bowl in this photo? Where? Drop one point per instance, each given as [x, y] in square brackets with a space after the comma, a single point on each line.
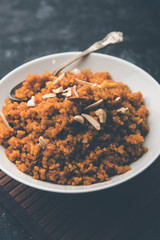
[121, 71]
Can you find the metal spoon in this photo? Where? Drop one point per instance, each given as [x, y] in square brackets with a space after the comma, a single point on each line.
[110, 38]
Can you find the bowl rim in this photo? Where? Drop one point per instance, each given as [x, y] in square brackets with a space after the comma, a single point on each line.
[78, 189]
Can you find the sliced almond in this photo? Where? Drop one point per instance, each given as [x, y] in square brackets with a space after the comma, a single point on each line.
[31, 102]
[96, 85]
[75, 71]
[75, 91]
[49, 95]
[4, 119]
[42, 142]
[81, 82]
[123, 110]
[117, 99]
[93, 121]
[79, 118]
[58, 90]
[67, 92]
[59, 78]
[102, 115]
[95, 104]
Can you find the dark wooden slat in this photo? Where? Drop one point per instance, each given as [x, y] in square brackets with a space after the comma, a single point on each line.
[59, 222]
[75, 223]
[56, 217]
[25, 194]
[58, 232]
[17, 190]
[11, 185]
[68, 216]
[44, 210]
[57, 209]
[22, 217]
[5, 180]
[67, 226]
[2, 174]
[32, 199]
[34, 208]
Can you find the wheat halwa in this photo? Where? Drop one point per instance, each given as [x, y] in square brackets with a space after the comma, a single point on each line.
[78, 129]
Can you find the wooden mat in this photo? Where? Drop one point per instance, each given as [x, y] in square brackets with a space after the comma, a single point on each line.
[113, 214]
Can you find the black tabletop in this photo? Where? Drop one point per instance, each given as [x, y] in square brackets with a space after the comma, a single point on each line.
[31, 29]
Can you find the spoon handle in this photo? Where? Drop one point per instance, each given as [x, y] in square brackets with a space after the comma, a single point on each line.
[110, 38]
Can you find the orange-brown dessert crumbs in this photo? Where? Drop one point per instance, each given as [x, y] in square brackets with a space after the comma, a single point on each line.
[58, 138]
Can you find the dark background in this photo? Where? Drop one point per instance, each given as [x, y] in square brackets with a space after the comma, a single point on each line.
[31, 29]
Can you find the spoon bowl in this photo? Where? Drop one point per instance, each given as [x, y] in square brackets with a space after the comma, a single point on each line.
[12, 94]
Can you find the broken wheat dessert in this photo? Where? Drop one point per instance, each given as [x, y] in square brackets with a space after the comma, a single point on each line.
[78, 128]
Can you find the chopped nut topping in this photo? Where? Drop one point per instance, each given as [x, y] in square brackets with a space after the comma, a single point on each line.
[96, 85]
[31, 102]
[79, 118]
[59, 78]
[92, 121]
[42, 142]
[76, 71]
[123, 110]
[94, 104]
[49, 95]
[81, 82]
[102, 115]
[67, 92]
[75, 91]
[117, 99]
[4, 119]
[58, 90]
